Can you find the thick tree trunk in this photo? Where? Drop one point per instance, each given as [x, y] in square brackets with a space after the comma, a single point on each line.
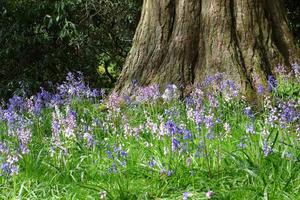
[183, 41]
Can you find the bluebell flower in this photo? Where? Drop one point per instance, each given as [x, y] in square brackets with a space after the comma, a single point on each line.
[134, 82]
[171, 127]
[187, 135]
[296, 68]
[199, 117]
[210, 135]
[250, 128]
[89, 138]
[209, 121]
[213, 101]
[267, 150]
[109, 154]
[24, 136]
[170, 172]
[152, 163]
[289, 114]
[242, 144]
[248, 111]
[185, 196]
[14, 170]
[175, 144]
[272, 83]
[113, 169]
[70, 124]
[188, 161]
[260, 89]
[16, 103]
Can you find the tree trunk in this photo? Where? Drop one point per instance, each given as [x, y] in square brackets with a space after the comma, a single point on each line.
[184, 41]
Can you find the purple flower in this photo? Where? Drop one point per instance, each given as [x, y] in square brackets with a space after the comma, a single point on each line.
[170, 172]
[289, 114]
[296, 68]
[134, 82]
[56, 99]
[10, 167]
[113, 169]
[4, 148]
[16, 103]
[280, 69]
[5, 167]
[45, 95]
[188, 161]
[187, 134]
[89, 138]
[171, 127]
[55, 127]
[213, 101]
[127, 99]
[189, 101]
[24, 136]
[152, 163]
[74, 86]
[185, 196]
[208, 81]
[114, 101]
[209, 121]
[227, 127]
[14, 170]
[38, 104]
[175, 144]
[242, 145]
[109, 154]
[260, 89]
[146, 94]
[10, 116]
[267, 149]
[250, 128]
[70, 124]
[272, 83]
[249, 112]
[210, 135]
[123, 154]
[199, 117]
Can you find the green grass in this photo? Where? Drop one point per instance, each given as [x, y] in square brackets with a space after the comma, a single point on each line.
[200, 165]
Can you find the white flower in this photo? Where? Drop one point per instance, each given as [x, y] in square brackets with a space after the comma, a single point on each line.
[103, 195]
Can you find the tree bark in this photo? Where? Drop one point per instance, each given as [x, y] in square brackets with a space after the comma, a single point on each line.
[184, 41]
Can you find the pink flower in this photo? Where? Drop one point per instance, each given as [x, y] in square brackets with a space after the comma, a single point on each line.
[209, 194]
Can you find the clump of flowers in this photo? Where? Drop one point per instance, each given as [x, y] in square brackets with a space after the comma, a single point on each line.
[170, 93]
[8, 160]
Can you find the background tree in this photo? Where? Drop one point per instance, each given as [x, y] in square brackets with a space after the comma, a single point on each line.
[293, 13]
[184, 41]
[42, 40]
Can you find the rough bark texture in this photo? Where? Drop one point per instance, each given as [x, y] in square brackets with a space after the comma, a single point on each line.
[183, 41]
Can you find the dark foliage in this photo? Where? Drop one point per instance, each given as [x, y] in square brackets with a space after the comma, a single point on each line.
[42, 40]
[293, 11]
